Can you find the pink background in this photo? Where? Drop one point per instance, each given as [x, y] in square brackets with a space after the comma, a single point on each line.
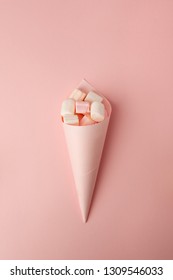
[125, 49]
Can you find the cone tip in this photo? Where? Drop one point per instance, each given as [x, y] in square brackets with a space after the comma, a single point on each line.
[84, 218]
[84, 221]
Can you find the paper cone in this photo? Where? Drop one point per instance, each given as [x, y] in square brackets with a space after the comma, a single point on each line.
[85, 146]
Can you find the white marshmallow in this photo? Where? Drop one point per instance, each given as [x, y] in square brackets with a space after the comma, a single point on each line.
[92, 96]
[77, 95]
[68, 107]
[97, 111]
[71, 119]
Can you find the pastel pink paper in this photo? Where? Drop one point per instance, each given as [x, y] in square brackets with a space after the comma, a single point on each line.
[124, 48]
[85, 146]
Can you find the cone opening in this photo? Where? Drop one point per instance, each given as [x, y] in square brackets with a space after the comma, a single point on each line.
[86, 86]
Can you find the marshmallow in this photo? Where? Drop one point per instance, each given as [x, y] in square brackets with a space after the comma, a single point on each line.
[68, 107]
[92, 96]
[71, 119]
[86, 120]
[82, 107]
[77, 94]
[97, 111]
[76, 111]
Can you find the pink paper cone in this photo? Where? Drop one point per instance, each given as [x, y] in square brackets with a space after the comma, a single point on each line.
[85, 146]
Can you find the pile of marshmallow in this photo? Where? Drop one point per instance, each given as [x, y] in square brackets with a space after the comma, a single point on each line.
[83, 109]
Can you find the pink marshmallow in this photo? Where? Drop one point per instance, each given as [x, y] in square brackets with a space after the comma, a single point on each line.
[82, 107]
[86, 120]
